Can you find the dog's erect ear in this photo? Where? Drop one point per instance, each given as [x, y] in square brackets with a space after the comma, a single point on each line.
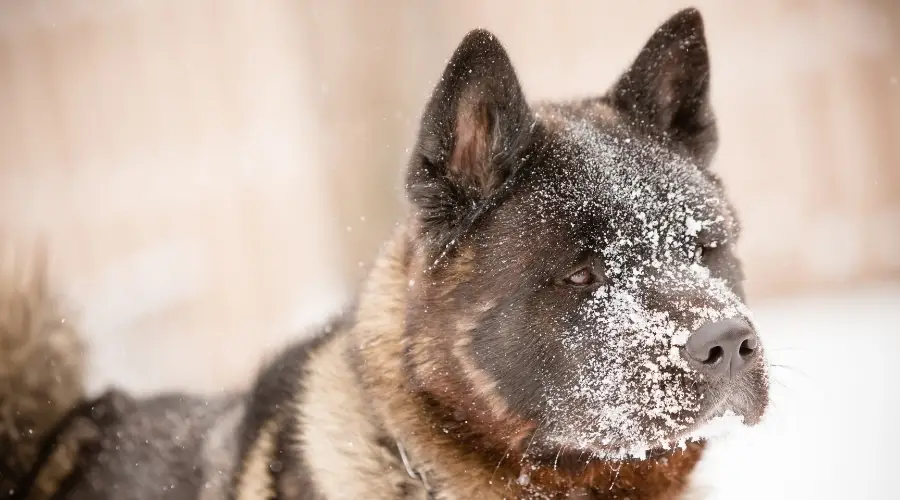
[666, 90]
[473, 128]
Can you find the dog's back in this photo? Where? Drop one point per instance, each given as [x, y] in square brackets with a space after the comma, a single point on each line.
[52, 435]
[57, 442]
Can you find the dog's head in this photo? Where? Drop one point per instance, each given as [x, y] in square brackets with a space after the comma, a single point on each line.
[577, 278]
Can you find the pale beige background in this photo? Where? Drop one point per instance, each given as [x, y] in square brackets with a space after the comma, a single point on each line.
[213, 174]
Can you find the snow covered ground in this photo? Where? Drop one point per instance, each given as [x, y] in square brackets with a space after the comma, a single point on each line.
[834, 425]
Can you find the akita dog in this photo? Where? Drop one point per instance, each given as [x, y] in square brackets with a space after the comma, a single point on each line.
[559, 316]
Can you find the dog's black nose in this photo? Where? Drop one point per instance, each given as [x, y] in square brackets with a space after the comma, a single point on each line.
[721, 349]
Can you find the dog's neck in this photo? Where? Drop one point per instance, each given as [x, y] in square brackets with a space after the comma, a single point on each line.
[456, 461]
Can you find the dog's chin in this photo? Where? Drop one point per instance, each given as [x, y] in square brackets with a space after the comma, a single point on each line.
[729, 412]
[620, 451]
[715, 425]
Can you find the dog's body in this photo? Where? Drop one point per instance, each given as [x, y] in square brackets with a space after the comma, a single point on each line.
[522, 335]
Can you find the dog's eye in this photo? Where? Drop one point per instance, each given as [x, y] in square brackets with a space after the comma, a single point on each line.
[583, 277]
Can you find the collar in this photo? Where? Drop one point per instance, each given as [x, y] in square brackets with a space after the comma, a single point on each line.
[417, 475]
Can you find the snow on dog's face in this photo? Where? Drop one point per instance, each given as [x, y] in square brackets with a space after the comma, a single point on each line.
[627, 250]
[569, 251]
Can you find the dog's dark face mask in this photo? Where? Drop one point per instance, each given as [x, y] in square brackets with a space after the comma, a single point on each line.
[569, 251]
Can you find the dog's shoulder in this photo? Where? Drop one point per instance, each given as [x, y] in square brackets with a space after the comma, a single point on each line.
[309, 430]
[269, 461]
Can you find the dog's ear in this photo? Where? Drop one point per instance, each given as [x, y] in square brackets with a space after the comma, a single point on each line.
[665, 92]
[473, 128]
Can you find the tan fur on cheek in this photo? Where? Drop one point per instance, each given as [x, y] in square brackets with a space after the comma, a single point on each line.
[442, 360]
[445, 367]
[481, 381]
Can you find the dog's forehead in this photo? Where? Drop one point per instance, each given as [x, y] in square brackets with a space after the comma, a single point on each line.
[590, 169]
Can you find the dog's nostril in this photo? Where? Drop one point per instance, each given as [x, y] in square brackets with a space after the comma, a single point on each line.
[715, 354]
[747, 347]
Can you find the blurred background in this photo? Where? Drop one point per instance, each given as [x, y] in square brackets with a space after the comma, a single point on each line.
[213, 175]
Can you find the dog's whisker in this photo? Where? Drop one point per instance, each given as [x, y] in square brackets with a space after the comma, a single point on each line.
[615, 478]
[558, 453]
[500, 462]
[792, 369]
[533, 435]
[587, 462]
[784, 349]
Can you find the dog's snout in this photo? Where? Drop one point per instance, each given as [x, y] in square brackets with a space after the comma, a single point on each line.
[722, 349]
